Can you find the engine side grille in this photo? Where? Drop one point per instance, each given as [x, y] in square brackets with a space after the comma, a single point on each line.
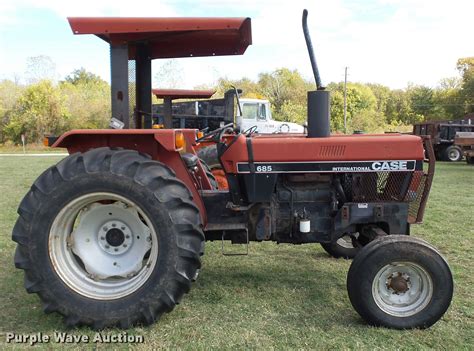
[332, 150]
[387, 187]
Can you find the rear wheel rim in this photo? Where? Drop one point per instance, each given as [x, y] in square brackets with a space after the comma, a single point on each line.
[402, 289]
[103, 246]
[454, 154]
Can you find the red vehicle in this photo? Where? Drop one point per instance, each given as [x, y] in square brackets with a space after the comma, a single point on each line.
[113, 234]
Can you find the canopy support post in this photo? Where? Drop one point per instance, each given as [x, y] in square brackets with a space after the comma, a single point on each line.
[119, 83]
[143, 86]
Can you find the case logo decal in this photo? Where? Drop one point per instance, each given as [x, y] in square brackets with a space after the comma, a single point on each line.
[332, 167]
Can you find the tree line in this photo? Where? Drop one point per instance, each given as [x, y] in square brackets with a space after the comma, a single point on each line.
[370, 107]
[82, 100]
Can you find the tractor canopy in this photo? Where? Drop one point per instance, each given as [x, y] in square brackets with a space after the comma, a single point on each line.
[170, 37]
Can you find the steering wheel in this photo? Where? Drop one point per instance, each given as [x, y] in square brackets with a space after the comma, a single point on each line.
[250, 131]
[216, 134]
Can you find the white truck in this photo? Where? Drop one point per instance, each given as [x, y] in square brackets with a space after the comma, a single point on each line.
[257, 112]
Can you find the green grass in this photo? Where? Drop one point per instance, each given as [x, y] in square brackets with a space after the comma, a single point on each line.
[280, 296]
[29, 149]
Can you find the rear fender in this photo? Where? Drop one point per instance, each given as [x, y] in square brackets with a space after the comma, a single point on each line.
[158, 143]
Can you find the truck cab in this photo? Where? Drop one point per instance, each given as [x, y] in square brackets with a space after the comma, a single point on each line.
[257, 113]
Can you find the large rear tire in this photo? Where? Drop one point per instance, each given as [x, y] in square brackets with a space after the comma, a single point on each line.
[108, 238]
[400, 282]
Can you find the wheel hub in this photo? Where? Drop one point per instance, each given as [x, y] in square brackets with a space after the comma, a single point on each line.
[398, 283]
[115, 237]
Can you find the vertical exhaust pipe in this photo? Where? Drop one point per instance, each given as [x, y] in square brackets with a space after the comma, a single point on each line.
[319, 100]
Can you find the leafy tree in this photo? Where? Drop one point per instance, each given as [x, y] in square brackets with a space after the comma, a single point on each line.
[399, 110]
[82, 77]
[382, 96]
[448, 100]
[10, 91]
[283, 85]
[293, 112]
[249, 88]
[39, 110]
[421, 98]
[465, 67]
[361, 107]
[87, 99]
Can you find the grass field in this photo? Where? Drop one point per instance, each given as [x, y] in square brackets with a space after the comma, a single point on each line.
[29, 149]
[280, 296]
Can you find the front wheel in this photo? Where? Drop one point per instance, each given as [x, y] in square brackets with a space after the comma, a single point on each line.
[108, 238]
[400, 282]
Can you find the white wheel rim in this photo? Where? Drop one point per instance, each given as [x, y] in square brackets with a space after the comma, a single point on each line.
[454, 154]
[103, 246]
[402, 289]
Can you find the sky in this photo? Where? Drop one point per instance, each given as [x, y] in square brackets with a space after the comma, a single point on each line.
[391, 42]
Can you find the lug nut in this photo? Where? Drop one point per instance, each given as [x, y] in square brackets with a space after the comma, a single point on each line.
[114, 225]
[122, 227]
[124, 245]
[105, 229]
[102, 238]
[107, 246]
[127, 236]
[115, 249]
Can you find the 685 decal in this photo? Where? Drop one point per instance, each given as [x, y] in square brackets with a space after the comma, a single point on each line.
[263, 169]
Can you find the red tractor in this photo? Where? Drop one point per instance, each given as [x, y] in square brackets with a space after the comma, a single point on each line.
[113, 234]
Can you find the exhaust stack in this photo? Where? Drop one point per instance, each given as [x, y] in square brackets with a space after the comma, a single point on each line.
[319, 100]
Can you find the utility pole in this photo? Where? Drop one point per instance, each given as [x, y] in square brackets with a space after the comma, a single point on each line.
[345, 100]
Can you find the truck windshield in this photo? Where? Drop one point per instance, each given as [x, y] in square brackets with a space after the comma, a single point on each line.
[249, 111]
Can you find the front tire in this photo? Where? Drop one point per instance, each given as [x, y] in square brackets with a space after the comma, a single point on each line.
[400, 282]
[108, 238]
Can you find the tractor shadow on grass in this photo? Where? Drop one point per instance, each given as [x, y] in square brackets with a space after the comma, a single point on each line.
[287, 283]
